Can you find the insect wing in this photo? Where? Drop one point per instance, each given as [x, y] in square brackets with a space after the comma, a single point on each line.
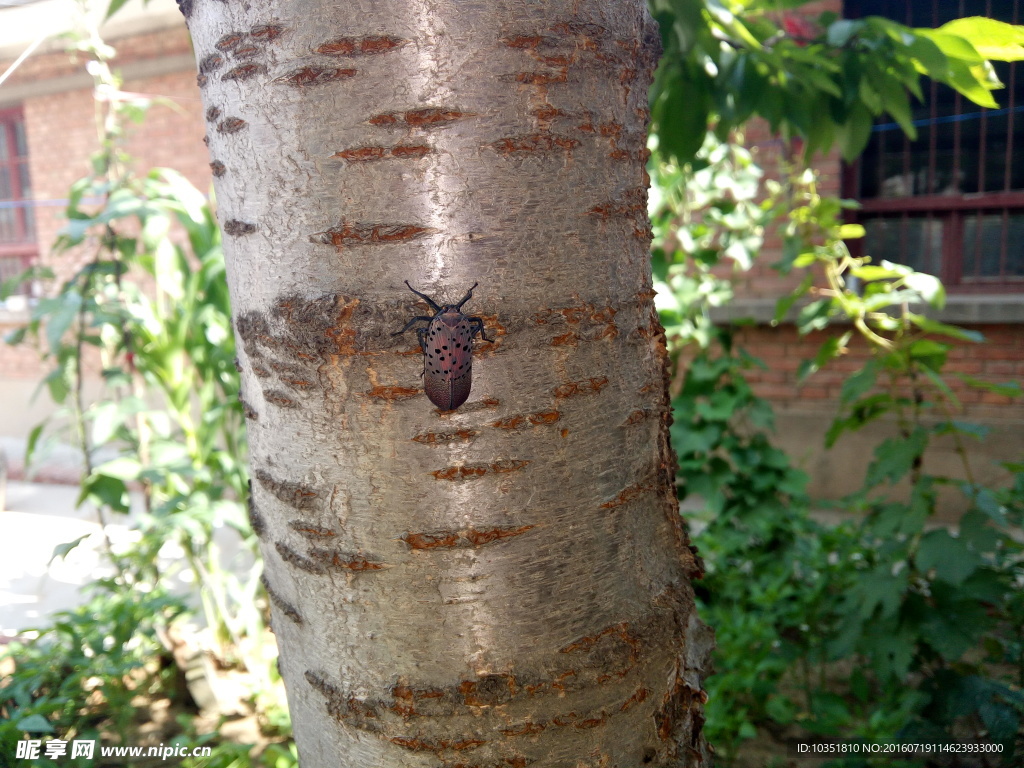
[448, 360]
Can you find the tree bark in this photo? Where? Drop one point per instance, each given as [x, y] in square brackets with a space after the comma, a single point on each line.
[506, 584]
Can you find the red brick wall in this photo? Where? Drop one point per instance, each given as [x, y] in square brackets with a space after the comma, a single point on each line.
[998, 360]
[62, 135]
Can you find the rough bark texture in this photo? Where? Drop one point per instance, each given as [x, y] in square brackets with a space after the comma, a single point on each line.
[508, 584]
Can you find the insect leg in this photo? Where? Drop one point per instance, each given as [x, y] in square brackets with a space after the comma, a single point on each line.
[421, 334]
[476, 324]
[409, 324]
[467, 297]
[430, 301]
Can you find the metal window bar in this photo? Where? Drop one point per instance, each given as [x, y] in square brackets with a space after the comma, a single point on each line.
[18, 245]
[942, 180]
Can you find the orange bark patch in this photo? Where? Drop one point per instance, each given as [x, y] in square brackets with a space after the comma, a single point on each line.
[341, 332]
[317, 75]
[569, 339]
[431, 540]
[360, 46]
[391, 393]
[524, 729]
[231, 125]
[401, 151]
[267, 32]
[210, 63]
[479, 470]
[244, 72]
[544, 417]
[637, 416]
[310, 531]
[345, 561]
[522, 41]
[279, 399]
[541, 78]
[637, 698]
[229, 41]
[627, 495]
[440, 438]
[420, 118]
[630, 203]
[411, 150]
[547, 113]
[534, 142]
[479, 538]
[349, 234]
[536, 419]
[435, 745]
[512, 422]
[586, 643]
[586, 387]
[362, 154]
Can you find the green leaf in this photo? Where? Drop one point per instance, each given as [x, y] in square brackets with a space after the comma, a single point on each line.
[972, 83]
[1009, 389]
[814, 316]
[952, 560]
[1001, 719]
[891, 649]
[928, 58]
[896, 103]
[896, 456]
[828, 351]
[681, 112]
[62, 550]
[928, 287]
[934, 326]
[992, 39]
[114, 7]
[859, 383]
[936, 378]
[855, 132]
[104, 491]
[882, 589]
[56, 381]
[780, 709]
[955, 426]
[954, 631]
[33, 442]
[805, 259]
[840, 32]
[871, 272]
[34, 724]
[928, 353]
[60, 319]
[952, 45]
[124, 468]
[851, 231]
[785, 304]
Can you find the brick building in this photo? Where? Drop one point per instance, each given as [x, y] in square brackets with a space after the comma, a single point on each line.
[951, 202]
[48, 132]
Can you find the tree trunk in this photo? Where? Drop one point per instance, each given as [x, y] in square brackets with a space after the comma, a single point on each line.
[506, 584]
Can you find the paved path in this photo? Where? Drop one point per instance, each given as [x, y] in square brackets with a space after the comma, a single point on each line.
[35, 519]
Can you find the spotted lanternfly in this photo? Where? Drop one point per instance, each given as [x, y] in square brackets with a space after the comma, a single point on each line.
[447, 344]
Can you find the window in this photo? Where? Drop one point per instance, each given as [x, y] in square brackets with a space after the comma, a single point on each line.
[18, 245]
[951, 202]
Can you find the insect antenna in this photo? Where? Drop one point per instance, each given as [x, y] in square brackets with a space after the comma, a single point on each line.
[426, 298]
